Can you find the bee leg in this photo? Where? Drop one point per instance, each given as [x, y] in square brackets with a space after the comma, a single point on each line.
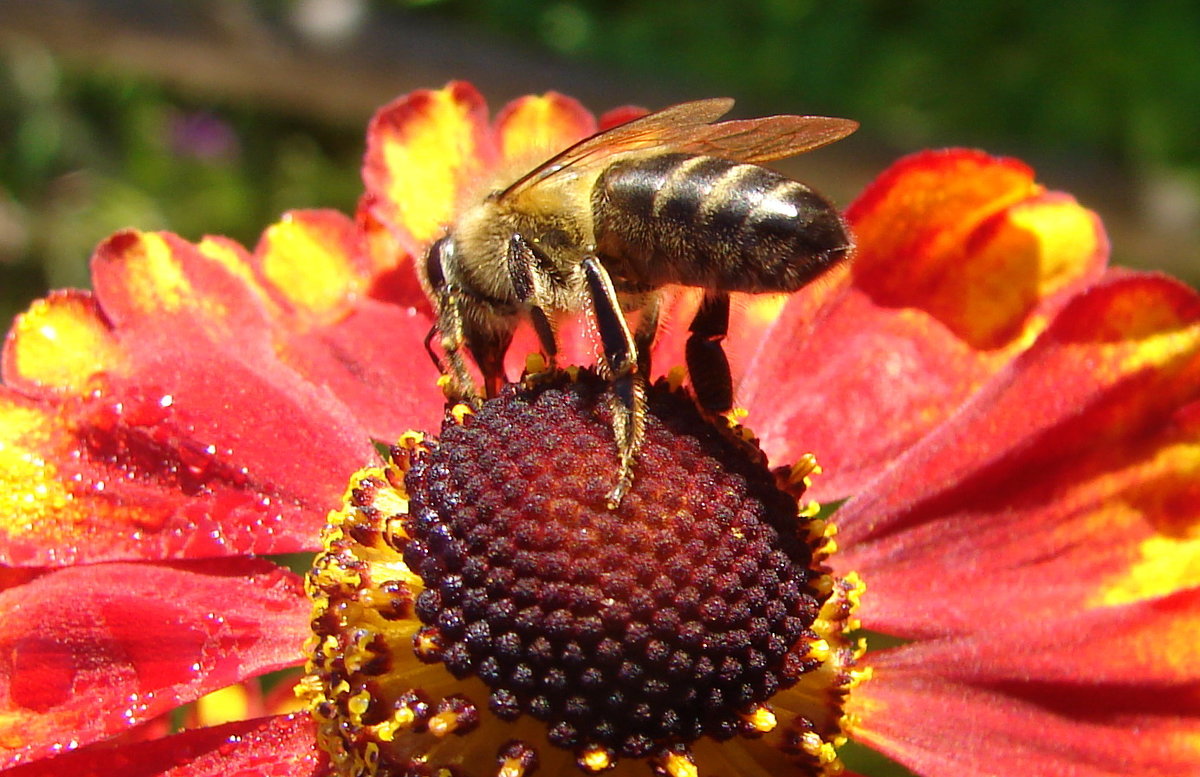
[647, 329]
[524, 259]
[453, 337]
[488, 347]
[621, 364]
[707, 364]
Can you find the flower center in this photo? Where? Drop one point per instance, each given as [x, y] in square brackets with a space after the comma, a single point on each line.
[479, 608]
[670, 618]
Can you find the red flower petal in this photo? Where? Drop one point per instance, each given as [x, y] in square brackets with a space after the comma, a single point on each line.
[423, 151]
[370, 354]
[282, 746]
[88, 652]
[163, 440]
[1069, 482]
[961, 259]
[1082, 695]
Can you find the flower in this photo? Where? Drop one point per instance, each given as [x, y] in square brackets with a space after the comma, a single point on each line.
[1012, 426]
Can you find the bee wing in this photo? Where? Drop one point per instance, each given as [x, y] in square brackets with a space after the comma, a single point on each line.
[668, 127]
[767, 138]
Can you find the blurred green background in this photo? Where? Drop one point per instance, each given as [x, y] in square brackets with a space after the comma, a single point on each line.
[214, 116]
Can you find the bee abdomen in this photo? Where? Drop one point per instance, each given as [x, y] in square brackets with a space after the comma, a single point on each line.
[704, 221]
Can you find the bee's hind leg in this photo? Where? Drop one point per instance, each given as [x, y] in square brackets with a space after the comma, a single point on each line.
[708, 366]
[621, 364]
[449, 333]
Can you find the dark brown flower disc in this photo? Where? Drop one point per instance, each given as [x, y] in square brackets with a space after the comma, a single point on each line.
[669, 618]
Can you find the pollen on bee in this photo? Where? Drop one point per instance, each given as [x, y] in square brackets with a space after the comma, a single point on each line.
[460, 412]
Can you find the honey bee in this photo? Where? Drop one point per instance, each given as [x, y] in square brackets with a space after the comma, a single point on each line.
[670, 198]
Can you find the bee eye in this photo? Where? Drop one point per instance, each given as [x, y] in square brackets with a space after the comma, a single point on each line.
[441, 250]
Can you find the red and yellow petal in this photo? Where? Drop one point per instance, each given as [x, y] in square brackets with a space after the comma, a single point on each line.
[961, 260]
[367, 352]
[972, 240]
[281, 746]
[536, 127]
[1082, 694]
[1076, 468]
[313, 260]
[164, 440]
[423, 151]
[61, 341]
[90, 651]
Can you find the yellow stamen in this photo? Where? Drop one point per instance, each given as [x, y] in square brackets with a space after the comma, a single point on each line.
[761, 719]
[805, 466]
[679, 765]
[426, 643]
[595, 759]
[516, 760]
[443, 723]
[511, 767]
[460, 412]
[358, 704]
[824, 752]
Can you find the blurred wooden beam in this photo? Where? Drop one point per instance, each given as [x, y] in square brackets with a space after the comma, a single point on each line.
[230, 50]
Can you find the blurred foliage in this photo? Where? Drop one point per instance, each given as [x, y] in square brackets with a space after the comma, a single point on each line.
[1120, 78]
[85, 154]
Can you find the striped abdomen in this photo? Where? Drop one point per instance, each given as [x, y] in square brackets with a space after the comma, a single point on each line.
[678, 218]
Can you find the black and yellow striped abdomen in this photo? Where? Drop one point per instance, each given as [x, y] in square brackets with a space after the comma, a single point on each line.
[677, 218]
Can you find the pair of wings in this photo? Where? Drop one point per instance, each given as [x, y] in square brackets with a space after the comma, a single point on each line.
[689, 127]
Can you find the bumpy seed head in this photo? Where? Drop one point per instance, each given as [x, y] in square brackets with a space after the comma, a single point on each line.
[662, 621]
[615, 634]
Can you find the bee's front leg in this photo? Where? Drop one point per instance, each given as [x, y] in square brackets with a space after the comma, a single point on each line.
[621, 364]
[450, 333]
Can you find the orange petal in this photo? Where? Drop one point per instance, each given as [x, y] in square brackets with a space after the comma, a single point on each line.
[423, 150]
[970, 239]
[1076, 468]
[962, 260]
[146, 278]
[534, 128]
